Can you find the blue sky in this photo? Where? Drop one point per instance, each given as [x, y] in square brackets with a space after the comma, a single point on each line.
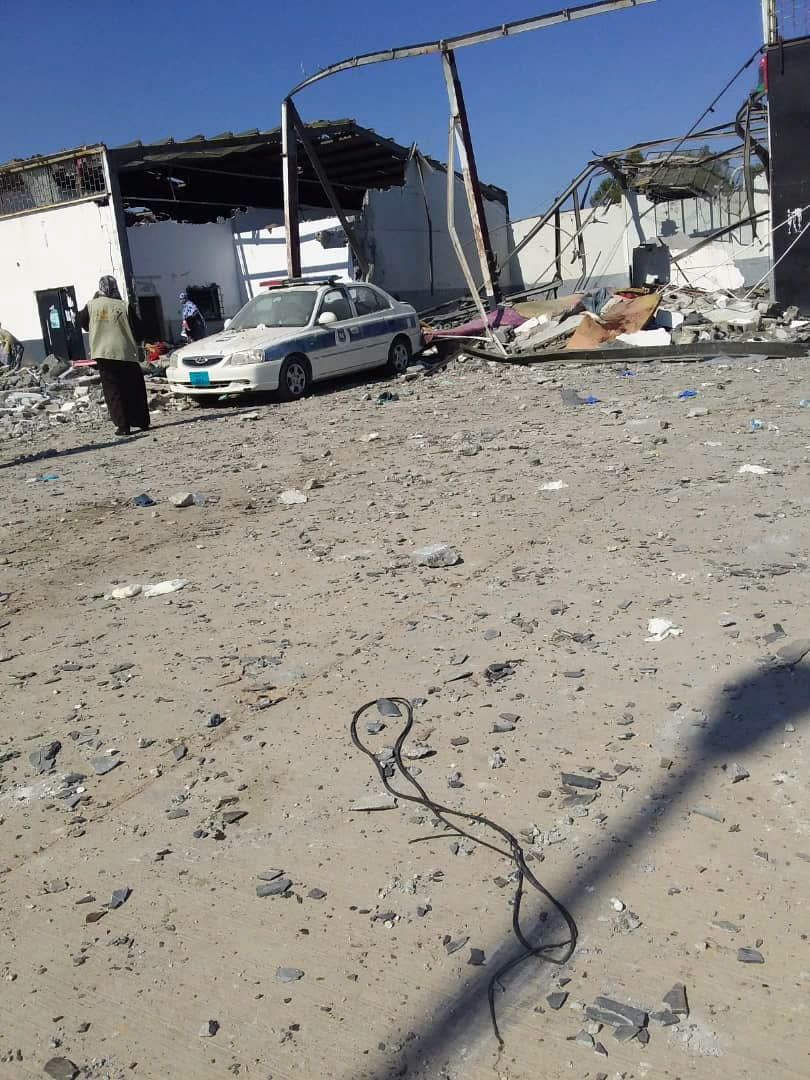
[539, 104]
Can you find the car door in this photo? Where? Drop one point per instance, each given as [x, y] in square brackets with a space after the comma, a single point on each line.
[373, 313]
[339, 352]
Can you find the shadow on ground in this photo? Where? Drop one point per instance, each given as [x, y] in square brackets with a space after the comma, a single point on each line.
[743, 715]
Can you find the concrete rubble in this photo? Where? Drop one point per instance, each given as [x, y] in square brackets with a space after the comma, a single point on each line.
[631, 318]
[600, 624]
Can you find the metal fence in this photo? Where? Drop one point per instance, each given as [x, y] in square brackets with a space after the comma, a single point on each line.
[52, 182]
[792, 18]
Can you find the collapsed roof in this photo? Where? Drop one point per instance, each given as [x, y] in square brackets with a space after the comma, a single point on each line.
[200, 179]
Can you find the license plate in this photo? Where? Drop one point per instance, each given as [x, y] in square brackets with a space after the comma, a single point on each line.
[199, 378]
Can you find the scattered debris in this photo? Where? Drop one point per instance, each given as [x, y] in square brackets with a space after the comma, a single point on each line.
[437, 555]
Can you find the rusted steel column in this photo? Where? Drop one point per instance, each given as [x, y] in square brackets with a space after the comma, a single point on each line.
[472, 183]
[329, 191]
[289, 145]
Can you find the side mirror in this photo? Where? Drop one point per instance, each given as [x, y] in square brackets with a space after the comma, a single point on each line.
[226, 324]
[326, 318]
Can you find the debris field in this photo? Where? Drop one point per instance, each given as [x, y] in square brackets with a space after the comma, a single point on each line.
[590, 583]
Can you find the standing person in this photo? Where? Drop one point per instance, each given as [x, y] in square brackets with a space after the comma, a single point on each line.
[112, 346]
[194, 326]
[11, 350]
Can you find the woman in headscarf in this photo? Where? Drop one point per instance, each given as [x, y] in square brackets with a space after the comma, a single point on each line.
[113, 347]
[194, 326]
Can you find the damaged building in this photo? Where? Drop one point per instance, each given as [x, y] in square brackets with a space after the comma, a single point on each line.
[204, 215]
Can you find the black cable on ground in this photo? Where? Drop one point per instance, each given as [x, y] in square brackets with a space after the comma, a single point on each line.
[514, 852]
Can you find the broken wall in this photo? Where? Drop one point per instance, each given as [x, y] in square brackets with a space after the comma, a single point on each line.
[260, 244]
[70, 245]
[613, 233]
[169, 256]
[399, 233]
[237, 255]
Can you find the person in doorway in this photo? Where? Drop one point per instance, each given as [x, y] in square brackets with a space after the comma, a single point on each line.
[194, 326]
[112, 346]
[11, 350]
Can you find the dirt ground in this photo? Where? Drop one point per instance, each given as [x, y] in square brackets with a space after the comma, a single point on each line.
[295, 616]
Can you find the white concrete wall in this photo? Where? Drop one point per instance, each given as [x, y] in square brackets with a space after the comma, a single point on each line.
[260, 244]
[74, 244]
[396, 224]
[168, 256]
[613, 233]
[237, 255]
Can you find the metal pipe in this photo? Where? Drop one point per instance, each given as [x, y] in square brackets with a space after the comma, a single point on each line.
[472, 184]
[454, 237]
[476, 37]
[289, 150]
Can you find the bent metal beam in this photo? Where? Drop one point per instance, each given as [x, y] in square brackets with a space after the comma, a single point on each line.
[445, 48]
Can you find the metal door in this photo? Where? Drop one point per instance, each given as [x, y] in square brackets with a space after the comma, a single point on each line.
[58, 316]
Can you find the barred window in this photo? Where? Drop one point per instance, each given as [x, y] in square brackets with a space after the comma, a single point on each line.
[27, 186]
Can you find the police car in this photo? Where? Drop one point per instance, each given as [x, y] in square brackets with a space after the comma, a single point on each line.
[296, 333]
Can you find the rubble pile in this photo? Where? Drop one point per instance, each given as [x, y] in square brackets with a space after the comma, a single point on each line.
[636, 318]
[32, 399]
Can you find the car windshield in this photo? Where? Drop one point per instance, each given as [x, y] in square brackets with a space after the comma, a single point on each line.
[281, 307]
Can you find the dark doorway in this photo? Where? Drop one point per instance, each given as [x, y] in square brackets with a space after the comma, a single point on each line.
[61, 334]
[150, 310]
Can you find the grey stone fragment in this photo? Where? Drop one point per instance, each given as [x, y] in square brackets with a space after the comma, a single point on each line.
[57, 886]
[179, 752]
[557, 1000]
[477, 957]
[712, 815]
[676, 1000]
[386, 707]
[600, 1050]
[375, 802]
[737, 772]
[273, 888]
[454, 944]
[44, 760]
[750, 956]
[722, 924]
[459, 740]
[573, 780]
[214, 720]
[644, 1036]
[61, 1068]
[181, 499]
[584, 1039]
[119, 897]
[209, 1029]
[625, 1033]
[285, 974]
[176, 812]
[230, 817]
[491, 634]
[664, 1017]
[269, 875]
[436, 556]
[102, 765]
[316, 894]
[793, 652]
[500, 727]
[615, 1013]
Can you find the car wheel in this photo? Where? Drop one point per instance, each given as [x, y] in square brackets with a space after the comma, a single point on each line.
[294, 379]
[399, 356]
[202, 400]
